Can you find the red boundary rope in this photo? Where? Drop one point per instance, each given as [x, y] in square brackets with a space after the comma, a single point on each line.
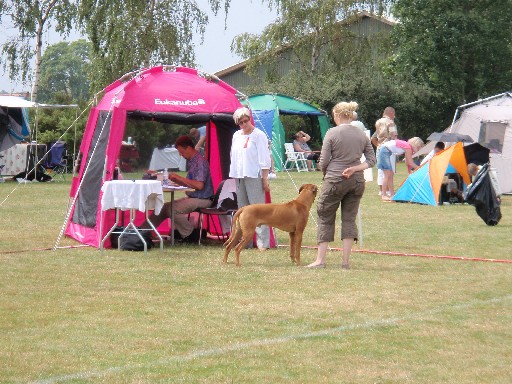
[461, 258]
[44, 249]
[412, 254]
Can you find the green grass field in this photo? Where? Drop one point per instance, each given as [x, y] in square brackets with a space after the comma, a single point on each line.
[76, 315]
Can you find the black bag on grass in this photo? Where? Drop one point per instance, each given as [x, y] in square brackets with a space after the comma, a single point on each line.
[130, 240]
[481, 194]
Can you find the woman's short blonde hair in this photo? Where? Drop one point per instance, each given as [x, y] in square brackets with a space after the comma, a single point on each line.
[416, 143]
[346, 110]
[241, 112]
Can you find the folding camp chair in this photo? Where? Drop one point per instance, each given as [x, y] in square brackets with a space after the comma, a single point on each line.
[56, 161]
[224, 206]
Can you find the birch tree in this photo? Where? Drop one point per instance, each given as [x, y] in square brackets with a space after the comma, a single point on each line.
[126, 36]
[30, 20]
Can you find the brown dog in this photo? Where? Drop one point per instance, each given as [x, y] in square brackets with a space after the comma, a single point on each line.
[291, 217]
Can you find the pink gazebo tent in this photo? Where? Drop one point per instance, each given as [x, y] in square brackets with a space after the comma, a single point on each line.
[168, 94]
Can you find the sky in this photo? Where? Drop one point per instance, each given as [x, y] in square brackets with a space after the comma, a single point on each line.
[214, 54]
[244, 16]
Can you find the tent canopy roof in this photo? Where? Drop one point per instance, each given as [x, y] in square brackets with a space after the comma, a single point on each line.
[16, 102]
[20, 102]
[171, 89]
[287, 105]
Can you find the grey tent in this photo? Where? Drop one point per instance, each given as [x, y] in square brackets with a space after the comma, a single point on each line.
[489, 123]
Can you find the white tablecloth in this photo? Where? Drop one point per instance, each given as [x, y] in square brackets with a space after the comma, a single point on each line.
[132, 194]
[167, 158]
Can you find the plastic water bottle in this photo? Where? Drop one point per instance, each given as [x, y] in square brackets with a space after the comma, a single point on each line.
[165, 182]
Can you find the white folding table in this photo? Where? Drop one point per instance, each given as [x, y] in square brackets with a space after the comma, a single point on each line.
[132, 195]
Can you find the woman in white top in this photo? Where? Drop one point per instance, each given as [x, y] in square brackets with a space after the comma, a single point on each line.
[250, 164]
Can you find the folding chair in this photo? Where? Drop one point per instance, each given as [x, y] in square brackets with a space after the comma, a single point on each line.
[56, 161]
[295, 159]
[224, 205]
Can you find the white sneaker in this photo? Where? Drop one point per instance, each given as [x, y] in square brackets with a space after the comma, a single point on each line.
[380, 193]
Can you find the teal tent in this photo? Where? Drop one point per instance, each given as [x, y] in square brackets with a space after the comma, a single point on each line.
[14, 122]
[267, 109]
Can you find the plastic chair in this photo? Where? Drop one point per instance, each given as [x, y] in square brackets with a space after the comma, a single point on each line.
[224, 205]
[295, 159]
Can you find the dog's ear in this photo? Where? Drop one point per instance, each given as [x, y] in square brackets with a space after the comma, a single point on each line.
[301, 188]
[315, 188]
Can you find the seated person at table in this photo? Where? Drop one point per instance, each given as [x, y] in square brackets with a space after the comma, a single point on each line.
[300, 145]
[198, 178]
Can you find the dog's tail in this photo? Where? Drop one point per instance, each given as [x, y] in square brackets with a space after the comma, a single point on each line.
[234, 227]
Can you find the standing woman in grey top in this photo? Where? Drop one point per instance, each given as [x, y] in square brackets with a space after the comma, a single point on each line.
[343, 185]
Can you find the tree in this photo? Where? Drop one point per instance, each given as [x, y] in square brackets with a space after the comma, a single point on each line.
[126, 36]
[59, 123]
[31, 19]
[309, 26]
[339, 67]
[461, 49]
[64, 72]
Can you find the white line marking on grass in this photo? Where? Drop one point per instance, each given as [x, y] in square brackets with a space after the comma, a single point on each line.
[266, 342]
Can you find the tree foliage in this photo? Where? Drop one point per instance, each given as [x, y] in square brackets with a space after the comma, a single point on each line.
[125, 35]
[346, 69]
[59, 123]
[373, 92]
[442, 54]
[309, 26]
[459, 48]
[64, 72]
[129, 35]
[31, 19]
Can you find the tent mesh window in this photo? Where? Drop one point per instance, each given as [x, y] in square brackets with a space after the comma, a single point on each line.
[492, 135]
[87, 202]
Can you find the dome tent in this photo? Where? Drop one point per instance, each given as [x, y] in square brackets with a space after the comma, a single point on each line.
[487, 122]
[267, 109]
[168, 94]
[423, 185]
